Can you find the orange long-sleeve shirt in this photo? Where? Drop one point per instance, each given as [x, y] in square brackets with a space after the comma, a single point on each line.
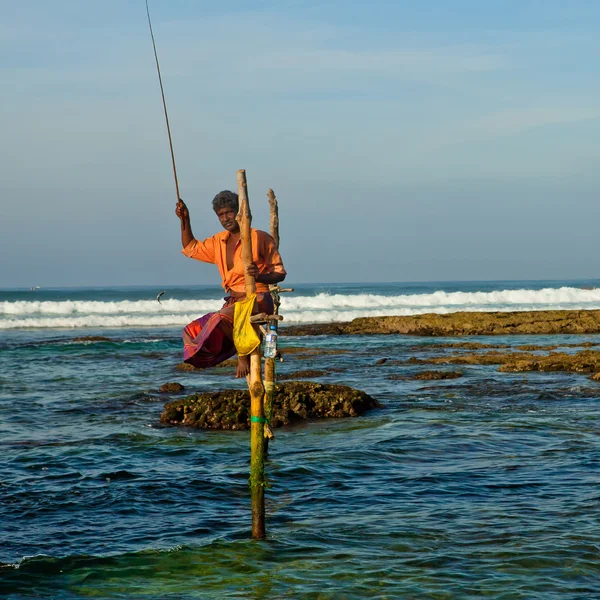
[214, 250]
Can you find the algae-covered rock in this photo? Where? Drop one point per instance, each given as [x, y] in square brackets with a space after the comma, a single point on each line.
[426, 376]
[488, 358]
[187, 367]
[302, 374]
[301, 351]
[586, 361]
[171, 387]
[293, 402]
[230, 363]
[463, 323]
[435, 375]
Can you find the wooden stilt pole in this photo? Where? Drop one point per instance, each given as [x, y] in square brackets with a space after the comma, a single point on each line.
[270, 362]
[257, 391]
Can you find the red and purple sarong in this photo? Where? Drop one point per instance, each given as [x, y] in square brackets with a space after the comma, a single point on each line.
[205, 344]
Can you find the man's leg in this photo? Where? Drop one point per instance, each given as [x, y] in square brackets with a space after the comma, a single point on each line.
[243, 366]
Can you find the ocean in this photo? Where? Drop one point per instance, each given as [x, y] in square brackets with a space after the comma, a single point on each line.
[483, 486]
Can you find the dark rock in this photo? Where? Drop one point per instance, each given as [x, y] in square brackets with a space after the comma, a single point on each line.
[314, 329]
[586, 361]
[431, 375]
[295, 350]
[381, 361]
[92, 338]
[427, 376]
[155, 355]
[302, 374]
[547, 396]
[460, 345]
[186, 367]
[294, 401]
[230, 363]
[171, 388]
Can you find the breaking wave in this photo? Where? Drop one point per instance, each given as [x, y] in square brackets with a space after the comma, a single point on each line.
[318, 308]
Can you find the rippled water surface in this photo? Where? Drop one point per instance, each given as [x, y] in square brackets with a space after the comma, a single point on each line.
[482, 486]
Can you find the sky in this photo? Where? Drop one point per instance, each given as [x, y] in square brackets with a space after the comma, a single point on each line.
[405, 140]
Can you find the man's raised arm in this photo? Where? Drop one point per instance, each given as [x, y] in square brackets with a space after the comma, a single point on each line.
[181, 210]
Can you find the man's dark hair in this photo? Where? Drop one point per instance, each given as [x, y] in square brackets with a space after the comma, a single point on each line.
[226, 199]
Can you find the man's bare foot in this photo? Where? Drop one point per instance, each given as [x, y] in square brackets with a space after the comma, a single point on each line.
[243, 367]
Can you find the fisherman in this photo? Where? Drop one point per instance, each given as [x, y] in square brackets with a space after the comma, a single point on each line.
[208, 341]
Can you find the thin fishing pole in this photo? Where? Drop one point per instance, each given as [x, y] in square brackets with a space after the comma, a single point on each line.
[162, 91]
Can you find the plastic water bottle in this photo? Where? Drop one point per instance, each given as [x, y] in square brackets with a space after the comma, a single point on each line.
[271, 342]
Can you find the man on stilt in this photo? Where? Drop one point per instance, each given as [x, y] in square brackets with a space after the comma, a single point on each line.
[208, 341]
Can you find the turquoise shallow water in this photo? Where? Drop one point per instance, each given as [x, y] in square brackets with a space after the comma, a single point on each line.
[483, 486]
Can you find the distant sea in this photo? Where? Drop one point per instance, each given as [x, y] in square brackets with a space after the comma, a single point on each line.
[137, 307]
[483, 486]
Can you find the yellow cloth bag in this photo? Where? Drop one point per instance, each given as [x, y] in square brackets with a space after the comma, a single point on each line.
[245, 338]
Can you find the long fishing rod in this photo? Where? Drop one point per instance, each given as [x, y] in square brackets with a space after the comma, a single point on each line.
[162, 91]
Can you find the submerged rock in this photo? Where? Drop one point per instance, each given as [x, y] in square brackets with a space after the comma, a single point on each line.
[293, 402]
[187, 367]
[300, 351]
[427, 376]
[463, 323]
[488, 358]
[226, 364]
[303, 374]
[433, 375]
[586, 361]
[171, 387]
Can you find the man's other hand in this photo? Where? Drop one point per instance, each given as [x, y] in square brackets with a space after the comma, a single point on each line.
[252, 270]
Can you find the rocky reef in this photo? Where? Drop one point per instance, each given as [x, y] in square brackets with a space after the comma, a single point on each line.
[585, 361]
[427, 376]
[462, 323]
[294, 401]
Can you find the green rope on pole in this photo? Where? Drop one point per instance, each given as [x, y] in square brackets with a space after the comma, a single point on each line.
[254, 419]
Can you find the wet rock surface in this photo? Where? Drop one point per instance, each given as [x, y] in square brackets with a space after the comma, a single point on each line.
[300, 351]
[302, 374]
[230, 363]
[427, 376]
[586, 361]
[480, 346]
[462, 323]
[434, 375]
[172, 387]
[293, 402]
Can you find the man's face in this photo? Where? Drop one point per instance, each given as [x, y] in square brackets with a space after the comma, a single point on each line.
[227, 219]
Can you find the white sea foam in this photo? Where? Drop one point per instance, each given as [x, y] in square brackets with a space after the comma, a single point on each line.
[319, 308]
[86, 307]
